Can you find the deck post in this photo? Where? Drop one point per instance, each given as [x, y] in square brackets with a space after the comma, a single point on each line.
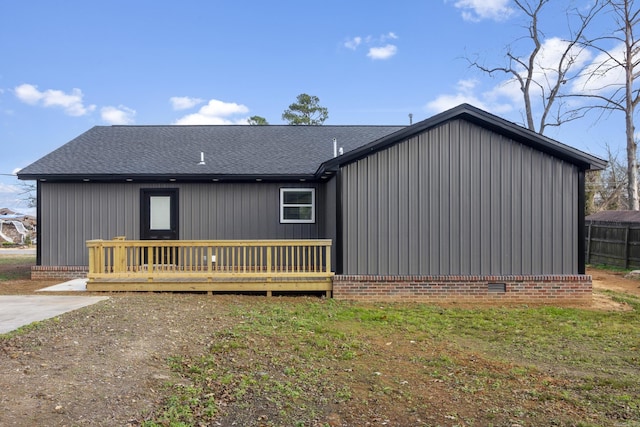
[92, 260]
[100, 258]
[119, 256]
[94, 256]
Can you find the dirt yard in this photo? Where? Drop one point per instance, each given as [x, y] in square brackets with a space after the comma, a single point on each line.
[106, 365]
[614, 281]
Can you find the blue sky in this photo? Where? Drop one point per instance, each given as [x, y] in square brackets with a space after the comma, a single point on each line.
[66, 67]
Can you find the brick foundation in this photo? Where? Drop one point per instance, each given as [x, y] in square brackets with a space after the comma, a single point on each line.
[551, 289]
[62, 272]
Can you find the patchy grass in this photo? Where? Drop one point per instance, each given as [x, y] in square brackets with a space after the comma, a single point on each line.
[16, 267]
[253, 361]
[611, 268]
[17, 260]
[24, 329]
[312, 362]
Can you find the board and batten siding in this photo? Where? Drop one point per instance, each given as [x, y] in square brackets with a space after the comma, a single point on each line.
[459, 199]
[77, 212]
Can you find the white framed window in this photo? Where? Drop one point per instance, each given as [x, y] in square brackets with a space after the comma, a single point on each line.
[297, 205]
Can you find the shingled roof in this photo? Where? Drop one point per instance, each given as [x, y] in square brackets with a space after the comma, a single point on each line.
[252, 152]
[615, 216]
[174, 151]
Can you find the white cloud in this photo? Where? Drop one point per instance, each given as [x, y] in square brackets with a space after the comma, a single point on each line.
[389, 36]
[551, 53]
[378, 47]
[15, 171]
[28, 94]
[71, 103]
[507, 91]
[384, 52]
[9, 189]
[477, 10]
[602, 75]
[10, 196]
[465, 94]
[119, 115]
[353, 43]
[184, 102]
[216, 112]
[506, 95]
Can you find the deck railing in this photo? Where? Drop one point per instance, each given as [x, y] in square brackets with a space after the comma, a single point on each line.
[209, 264]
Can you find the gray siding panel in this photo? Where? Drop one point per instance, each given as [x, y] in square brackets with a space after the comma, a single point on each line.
[77, 212]
[329, 227]
[372, 212]
[460, 199]
[382, 227]
[414, 206]
[466, 207]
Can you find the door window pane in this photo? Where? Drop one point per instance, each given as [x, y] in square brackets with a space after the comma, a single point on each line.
[160, 212]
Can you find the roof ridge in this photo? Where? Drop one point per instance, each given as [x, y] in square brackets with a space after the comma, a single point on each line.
[242, 125]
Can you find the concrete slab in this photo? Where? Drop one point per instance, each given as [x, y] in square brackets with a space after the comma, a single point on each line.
[4, 251]
[75, 285]
[20, 310]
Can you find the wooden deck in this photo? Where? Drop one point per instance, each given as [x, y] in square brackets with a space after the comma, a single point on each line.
[210, 265]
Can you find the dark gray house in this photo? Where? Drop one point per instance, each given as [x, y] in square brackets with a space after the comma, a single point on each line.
[463, 205]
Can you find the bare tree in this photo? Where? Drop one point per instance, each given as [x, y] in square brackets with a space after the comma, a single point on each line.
[539, 80]
[605, 190]
[28, 194]
[617, 95]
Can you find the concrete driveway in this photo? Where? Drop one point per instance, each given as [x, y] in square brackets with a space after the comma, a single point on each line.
[20, 310]
[4, 251]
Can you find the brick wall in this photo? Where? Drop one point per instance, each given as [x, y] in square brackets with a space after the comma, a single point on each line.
[41, 272]
[552, 289]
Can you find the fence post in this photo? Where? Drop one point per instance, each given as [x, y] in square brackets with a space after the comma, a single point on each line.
[589, 243]
[626, 247]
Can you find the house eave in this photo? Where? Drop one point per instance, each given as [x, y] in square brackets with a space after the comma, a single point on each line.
[156, 178]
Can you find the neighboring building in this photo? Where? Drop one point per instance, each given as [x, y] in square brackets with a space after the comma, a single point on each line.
[461, 205]
[16, 228]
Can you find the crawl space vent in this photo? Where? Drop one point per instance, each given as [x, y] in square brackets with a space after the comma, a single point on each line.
[497, 287]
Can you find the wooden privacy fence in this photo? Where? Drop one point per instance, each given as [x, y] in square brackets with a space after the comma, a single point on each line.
[209, 265]
[615, 244]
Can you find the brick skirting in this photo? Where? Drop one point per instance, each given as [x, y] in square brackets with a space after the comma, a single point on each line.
[64, 272]
[551, 289]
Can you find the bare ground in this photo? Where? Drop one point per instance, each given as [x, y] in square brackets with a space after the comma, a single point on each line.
[106, 365]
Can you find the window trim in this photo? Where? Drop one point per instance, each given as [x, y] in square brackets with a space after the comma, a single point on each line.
[312, 220]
